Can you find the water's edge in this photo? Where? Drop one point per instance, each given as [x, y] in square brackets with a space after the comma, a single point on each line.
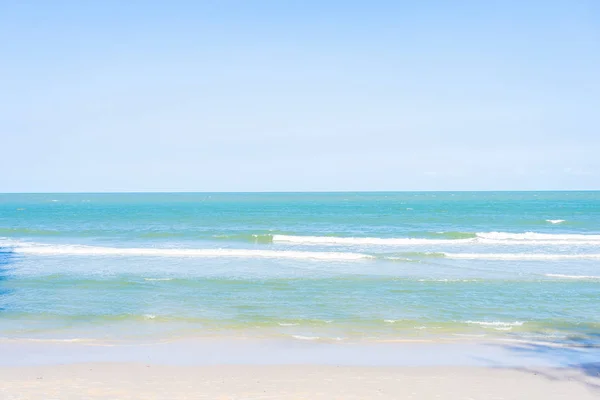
[273, 352]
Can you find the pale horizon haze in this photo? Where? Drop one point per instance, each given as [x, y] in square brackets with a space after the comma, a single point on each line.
[299, 96]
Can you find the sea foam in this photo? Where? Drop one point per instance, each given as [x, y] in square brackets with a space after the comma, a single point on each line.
[207, 253]
[302, 337]
[495, 323]
[584, 277]
[503, 238]
[534, 236]
[321, 240]
[521, 256]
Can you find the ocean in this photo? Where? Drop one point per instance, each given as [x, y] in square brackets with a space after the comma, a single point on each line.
[332, 267]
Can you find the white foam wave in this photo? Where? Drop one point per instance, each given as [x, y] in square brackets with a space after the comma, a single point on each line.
[286, 324]
[389, 321]
[549, 242]
[501, 238]
[572, 276]
[149, 316]
[520, 256]
[49, 340]
[206, 253]
[320, 240]
[301, 337]
[158, 279]
[534, 236]
[10, 244]
[448, 280]
[555, 221]
[496, 323]
[395, 258]
[470, 335]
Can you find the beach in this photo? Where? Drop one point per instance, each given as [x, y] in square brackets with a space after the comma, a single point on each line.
[300, 200]
[300, 295]
[234, 369]
[147, 381]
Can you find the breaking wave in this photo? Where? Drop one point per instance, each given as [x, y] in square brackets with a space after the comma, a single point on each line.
[521, 256]
[583, 277]
[321, 240]
[77, 250]
[502, 238]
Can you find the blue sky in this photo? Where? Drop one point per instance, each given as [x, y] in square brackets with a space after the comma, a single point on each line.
[299, 95]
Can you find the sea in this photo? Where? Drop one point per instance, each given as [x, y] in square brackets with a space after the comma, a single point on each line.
[330, 267]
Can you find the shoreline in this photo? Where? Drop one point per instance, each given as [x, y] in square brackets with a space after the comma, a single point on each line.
[247, 351]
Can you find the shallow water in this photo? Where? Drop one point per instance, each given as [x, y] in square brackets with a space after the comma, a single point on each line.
[339, 267]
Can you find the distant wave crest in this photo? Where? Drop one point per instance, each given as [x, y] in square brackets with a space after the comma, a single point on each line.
[321, 240]
[583, 277]
[534, 236]
[521, 256]
[505, 238]
[495, 323]
[414, 256]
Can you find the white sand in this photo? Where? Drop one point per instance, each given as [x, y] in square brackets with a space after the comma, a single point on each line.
[139, 381]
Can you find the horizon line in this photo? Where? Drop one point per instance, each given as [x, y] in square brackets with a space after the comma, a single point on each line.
[306, 191]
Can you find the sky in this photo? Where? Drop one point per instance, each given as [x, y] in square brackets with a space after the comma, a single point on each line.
[101, 96]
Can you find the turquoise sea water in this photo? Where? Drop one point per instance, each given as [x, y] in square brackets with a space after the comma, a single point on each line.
[307, 266]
